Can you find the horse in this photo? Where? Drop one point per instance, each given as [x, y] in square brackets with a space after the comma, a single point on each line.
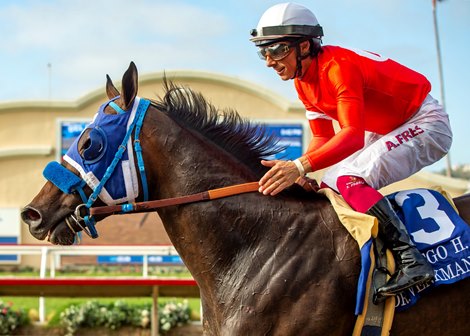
[265, 265]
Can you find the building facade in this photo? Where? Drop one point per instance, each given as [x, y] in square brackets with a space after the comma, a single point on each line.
[30, 137]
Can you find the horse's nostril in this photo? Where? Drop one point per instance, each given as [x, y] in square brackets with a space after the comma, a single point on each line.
[30, 215]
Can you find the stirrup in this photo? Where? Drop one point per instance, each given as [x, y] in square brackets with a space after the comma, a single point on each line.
[380, 272]
[378, 298]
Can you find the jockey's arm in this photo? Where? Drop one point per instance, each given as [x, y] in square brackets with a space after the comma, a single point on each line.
[326, 150]
[322, 131]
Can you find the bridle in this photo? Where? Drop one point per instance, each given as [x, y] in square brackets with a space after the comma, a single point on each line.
[84, 213]
[145, 206]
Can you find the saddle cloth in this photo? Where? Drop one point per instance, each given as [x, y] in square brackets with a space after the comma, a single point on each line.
[434, 225]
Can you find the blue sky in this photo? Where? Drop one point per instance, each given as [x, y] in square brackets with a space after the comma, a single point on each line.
[84, 40]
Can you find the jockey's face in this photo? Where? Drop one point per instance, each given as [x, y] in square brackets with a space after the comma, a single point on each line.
[284, 67]
[287, 66]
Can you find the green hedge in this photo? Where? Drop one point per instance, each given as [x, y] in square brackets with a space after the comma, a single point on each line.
[115, 315]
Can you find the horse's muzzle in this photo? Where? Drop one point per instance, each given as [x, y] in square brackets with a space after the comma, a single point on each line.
[33, 218]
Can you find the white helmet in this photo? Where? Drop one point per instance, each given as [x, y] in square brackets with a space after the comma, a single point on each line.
[286, 20]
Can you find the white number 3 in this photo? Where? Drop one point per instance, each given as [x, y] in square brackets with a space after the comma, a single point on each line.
[430, 210]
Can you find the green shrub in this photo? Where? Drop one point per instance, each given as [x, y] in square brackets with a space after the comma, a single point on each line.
[172, 315]
[11, 319]
[115, 315]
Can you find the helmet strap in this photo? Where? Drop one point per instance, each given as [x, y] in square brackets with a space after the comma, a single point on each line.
[299, 59]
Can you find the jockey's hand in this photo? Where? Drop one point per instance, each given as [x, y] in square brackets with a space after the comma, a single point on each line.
[281, 175]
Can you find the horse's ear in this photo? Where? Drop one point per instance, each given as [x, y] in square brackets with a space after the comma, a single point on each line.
[129, 86]
[111, 90]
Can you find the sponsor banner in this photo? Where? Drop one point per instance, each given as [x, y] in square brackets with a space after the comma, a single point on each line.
[291, 137]
[135, 259]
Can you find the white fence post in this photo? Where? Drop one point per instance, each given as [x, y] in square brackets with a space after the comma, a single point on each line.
[145, 265]
[42, 275]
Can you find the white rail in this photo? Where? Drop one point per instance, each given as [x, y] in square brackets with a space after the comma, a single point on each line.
[55, 252]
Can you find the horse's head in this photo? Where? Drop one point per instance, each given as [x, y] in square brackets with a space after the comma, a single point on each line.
[199, 148]
[99, 166]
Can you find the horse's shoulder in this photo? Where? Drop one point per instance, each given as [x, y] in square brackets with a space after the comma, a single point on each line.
[319, 218]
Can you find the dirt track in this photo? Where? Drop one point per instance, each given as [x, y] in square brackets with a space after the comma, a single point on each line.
[193, 329]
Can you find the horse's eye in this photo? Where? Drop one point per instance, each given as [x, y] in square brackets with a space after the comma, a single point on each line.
[92, 145]
[87, 144]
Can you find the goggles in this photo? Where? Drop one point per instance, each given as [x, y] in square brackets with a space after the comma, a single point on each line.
[276, 51]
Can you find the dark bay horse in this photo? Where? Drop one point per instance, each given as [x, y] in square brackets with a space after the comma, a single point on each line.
[265, 265]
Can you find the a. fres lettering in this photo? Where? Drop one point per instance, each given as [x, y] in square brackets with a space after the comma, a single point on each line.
[404, 137]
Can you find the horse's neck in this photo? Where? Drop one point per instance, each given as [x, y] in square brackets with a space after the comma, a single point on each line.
[199, 167]
[188, 165]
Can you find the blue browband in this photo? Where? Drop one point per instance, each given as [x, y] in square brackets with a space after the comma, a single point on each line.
[69, 183]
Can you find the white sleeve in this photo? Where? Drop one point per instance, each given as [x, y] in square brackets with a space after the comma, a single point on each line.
[316, 115]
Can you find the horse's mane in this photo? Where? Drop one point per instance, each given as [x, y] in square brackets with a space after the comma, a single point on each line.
[246, 141]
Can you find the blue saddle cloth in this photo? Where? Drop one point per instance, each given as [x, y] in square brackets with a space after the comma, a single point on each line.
[439, 233]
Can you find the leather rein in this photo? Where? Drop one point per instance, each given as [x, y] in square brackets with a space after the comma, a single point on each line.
[306, 183]
[83, 220]
[193, 198]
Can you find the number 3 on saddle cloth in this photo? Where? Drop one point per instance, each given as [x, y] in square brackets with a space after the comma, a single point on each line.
[439, 233]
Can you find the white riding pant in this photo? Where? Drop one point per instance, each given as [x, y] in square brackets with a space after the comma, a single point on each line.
[421, 141]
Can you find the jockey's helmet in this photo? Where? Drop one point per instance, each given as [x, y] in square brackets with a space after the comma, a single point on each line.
[286, 21]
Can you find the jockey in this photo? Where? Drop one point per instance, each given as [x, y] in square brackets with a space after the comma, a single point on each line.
[389, 126]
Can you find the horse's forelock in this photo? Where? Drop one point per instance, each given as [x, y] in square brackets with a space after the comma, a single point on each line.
[248, 142]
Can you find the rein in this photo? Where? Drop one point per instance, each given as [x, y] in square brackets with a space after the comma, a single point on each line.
[193, 198]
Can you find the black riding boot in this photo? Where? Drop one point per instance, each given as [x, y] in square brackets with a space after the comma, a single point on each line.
[412, 268]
